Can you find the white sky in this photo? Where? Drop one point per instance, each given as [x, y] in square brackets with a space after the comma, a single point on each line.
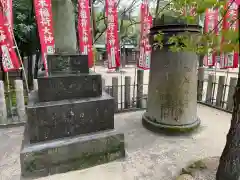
[136, 10]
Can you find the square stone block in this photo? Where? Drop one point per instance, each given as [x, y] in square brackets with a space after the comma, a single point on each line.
[58, 119]
[60, 86]
[67, 63]
[67, 154]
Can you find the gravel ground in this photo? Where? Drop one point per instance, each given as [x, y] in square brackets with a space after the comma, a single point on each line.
[150, 156]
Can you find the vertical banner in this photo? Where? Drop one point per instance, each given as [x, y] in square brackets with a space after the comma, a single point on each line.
[147, 46]
[10, 60]
[211, 21]
[141, 46]
[113, 48]
[8, 17]
[84, 30]
[144, 46]
[230, 22]
[43, 11]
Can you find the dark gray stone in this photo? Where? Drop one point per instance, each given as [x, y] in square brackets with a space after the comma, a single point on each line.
[67, 63]
[58, 119]
[62, 86]
[67, 154]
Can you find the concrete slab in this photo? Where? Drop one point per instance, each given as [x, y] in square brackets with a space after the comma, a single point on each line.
[150, 156]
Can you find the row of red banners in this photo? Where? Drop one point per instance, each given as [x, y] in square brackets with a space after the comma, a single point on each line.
[45, 26]
[230, 21]
[145, 47]
[44, 22]
[43, 10]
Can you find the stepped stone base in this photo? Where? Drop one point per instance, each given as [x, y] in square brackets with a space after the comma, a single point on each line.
[67, 154]
[59, 119]
[71, 86]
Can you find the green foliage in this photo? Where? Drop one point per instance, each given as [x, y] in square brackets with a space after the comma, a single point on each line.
[25, 30]
[200, 43]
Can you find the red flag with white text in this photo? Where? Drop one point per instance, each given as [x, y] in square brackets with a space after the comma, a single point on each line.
[8, 17]
[10, 59]
[141, 46]
[43, 11]
[211, 23]
[144, 46]
[230, 22]
[84, 30]
[113, 48]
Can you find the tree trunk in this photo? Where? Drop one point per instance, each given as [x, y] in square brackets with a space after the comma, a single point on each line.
[229, 167]
[64, 26]
[30, 72]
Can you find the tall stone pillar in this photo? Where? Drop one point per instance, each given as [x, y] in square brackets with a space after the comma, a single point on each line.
[172, 91]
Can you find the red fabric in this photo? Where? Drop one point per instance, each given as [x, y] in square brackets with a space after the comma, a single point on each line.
[84, 30]
[211, 21]
[113, 48]
[10, 59]
[145, 48]
[230, 59]
[43, 10]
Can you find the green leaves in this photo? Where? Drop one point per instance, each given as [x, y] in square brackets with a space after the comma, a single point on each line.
[203, 42]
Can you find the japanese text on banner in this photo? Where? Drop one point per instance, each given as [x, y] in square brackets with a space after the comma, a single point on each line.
[84, 30]
[8, 17]
[211, 22]
[43, 11]
[9, 58]
[230, 22]
[113, 48]
[145, 47]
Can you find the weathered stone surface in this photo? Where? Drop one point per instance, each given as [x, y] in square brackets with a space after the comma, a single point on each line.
[185, 177]
[203, 169]
[60, 87]
[58, 119]
[66, 63]
[67, 154]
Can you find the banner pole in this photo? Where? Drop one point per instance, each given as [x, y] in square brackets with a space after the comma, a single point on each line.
[21, 61]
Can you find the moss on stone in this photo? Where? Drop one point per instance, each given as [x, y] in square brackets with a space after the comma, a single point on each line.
[85, 160]
[193, 167]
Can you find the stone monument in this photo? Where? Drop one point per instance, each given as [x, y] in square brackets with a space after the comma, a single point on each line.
[172, 90]
[70, 121]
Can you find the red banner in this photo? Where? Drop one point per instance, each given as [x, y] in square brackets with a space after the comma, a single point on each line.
[230, 22]
[43, 10]
[84, 30]
[10, 60]
[145, 47]
[211, 22]
[113, 48]
[8, 17]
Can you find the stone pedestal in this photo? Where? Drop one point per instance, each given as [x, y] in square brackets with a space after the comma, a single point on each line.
[70, 124]
[172, 90]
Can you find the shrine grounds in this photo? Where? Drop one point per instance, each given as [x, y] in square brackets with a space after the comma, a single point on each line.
[149, 156]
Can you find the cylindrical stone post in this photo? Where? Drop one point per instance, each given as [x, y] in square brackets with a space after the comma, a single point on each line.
[3, 108]
[20, 100]
[35, 84]
[172, 89]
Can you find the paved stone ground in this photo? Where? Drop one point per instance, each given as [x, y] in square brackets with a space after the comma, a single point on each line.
[150, 156]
